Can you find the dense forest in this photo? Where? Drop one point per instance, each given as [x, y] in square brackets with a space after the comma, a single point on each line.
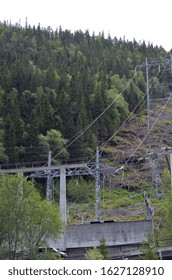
[54, 84]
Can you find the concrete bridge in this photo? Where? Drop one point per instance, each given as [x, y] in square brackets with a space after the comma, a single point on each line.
[77, 238]
[123, 239]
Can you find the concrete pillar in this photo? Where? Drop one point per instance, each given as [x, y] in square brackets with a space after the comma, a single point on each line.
[63, 194]
[49, 188]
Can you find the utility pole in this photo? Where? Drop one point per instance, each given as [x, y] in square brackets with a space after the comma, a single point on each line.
[154, 163]
[49, 191]
[156, 180]
[97, 184]
[152, 64]
[147, 93]
[153, 157]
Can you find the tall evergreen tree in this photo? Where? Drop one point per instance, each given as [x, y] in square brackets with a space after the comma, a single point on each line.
[62, 80]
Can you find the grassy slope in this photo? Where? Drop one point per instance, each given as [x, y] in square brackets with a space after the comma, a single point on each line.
[122, 195]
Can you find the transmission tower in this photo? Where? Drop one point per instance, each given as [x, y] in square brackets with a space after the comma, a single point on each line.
[147, 66]
[97, 184]
[94, 169]
[157, 190]
[154, 163]
[154, 158]
[49, 190]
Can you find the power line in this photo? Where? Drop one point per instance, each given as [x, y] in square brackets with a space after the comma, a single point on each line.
[116, 133]
[147, 66]
[154, 164]
[148, 132]
[132, 113]
[100, 115]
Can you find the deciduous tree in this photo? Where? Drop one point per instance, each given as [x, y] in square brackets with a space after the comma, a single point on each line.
[26, 221]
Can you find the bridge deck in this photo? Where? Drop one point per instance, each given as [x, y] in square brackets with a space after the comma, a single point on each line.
[41, 168]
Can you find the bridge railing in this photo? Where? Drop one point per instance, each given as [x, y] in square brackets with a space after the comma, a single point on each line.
[21, 164]
[16, 165]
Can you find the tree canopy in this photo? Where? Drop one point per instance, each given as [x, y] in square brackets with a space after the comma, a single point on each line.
[27, 221]
[59, 82]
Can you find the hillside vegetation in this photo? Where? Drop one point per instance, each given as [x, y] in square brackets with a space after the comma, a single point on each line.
[122, 194]
[70, 92]
[55, 83]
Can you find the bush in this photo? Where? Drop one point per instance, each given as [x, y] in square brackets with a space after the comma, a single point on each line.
[80, 191]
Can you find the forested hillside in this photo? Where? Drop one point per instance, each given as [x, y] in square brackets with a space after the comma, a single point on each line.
[54, 84]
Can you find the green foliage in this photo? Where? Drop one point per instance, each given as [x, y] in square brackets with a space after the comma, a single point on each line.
[112, 198]
[49, 256]
[166, 181]
[3, 156]
[52, 141]
[62, 81]
[94, 254]
[57, 142]
[104, 249]
[80, 190]
[100, 253]
[26, 221]
[148, 248]
[116, 204]
[43, 147]
[167, 225]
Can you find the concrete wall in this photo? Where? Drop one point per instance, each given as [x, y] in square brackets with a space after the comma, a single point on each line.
[115, 233]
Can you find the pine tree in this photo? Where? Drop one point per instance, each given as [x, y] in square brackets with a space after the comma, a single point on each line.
[104, 249]
[94, 254]
[148, 250]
